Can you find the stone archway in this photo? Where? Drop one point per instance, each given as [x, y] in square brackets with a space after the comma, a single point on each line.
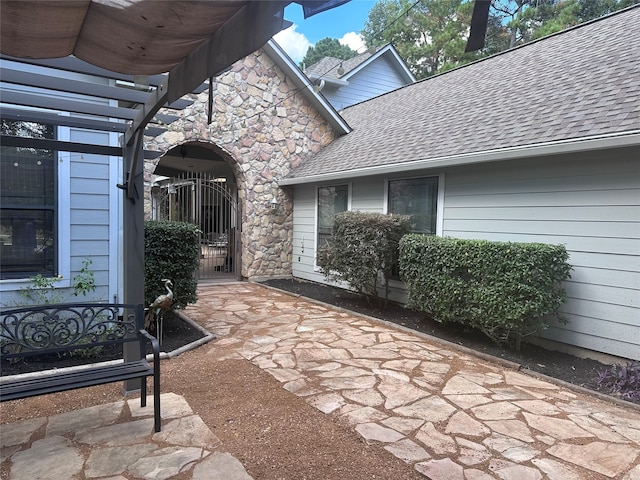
[195, 184]
[263, 128]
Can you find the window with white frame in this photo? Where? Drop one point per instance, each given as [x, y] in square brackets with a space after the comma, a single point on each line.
[331, 200]
[418, 198]
[28, 204]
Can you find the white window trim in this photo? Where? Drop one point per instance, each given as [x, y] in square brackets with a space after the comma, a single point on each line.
[116, 259]
[63, 228]
[440, 206]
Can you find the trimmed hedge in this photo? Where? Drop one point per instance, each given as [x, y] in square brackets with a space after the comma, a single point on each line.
[503, 289]
[171, 250]
[363, 250]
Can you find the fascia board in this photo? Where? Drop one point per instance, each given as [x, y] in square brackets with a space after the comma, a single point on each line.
[618, 140]
[399, 63]
[302, 82]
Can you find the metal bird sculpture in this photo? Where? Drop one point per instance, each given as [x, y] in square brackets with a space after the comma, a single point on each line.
[156, 310]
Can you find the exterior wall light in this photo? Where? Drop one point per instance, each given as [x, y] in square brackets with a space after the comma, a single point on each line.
[273, 204]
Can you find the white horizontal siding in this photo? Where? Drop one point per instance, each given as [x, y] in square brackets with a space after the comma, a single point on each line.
[589, 203]
[91, 188]
[91, 170]
[569, 213]
[366, 196]
[564, 228]
[534, 199]
[605, 261]
[84, 201]
[379, 77]
[89, 232]
[304, 227]
[90, 217]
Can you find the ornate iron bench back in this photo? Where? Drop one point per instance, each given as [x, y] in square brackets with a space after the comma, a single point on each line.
[61, 327]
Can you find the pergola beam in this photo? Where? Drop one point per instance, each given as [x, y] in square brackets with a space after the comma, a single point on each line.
[12, 74]
[62, 146]
[55, 118]
[44, 100]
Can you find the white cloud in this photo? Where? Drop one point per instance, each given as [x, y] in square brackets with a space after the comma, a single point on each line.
[353, 40]
[292, 42]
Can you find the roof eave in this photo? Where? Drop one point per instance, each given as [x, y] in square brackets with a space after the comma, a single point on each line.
[301, 81]
[400, 65]
[575, 145]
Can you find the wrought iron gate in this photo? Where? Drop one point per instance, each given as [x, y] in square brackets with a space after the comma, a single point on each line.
[210, 203]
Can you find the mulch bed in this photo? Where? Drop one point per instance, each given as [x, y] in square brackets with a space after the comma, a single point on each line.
[578, 371]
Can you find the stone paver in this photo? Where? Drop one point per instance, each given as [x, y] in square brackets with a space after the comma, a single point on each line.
[450, 415]
[118, 451]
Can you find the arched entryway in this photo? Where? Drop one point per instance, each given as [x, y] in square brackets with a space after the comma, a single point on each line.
[195, 184]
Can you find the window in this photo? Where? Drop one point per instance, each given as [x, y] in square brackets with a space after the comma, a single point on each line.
[331, 200]
[27, 204]
[417, 197]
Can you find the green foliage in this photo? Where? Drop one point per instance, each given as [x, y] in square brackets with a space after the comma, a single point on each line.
[526, 20]
[435, 38]
[171, 250]
[503, 289]
[42, 290]
[327, 47]
[433, 41]
[84, 282]
[363, 250]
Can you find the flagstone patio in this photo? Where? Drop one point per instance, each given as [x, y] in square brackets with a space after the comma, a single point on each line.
[449, 413]
[441, 410]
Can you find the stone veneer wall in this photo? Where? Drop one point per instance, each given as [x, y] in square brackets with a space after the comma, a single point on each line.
[265, 128]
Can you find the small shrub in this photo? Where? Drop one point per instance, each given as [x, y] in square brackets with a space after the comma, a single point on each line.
[84, 281]
[172, 251]
[621, 380]
[363, 250]
[503, 289]
[42, 290]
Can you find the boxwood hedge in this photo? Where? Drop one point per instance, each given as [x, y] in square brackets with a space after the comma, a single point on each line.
[363, 250]
[506, 290]
[171, 250]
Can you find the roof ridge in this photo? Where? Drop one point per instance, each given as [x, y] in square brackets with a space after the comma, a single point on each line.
[507, 51]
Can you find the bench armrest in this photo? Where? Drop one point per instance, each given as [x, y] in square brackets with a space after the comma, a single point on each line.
[155, 345]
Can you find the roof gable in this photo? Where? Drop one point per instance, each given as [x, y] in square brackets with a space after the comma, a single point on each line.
[327, 67]
[579, 84]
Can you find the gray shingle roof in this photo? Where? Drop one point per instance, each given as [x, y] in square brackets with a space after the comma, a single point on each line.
[583, 82]
[327, 67]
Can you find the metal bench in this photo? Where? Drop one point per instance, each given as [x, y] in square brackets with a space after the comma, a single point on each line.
[45, 329]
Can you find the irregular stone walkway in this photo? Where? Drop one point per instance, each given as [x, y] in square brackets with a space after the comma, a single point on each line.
[450, 414]
[95, 443]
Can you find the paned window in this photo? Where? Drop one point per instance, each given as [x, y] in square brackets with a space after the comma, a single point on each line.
[27, 204]
[331, 200]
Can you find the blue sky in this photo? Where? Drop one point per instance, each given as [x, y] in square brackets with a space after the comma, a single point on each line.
[344, 23]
